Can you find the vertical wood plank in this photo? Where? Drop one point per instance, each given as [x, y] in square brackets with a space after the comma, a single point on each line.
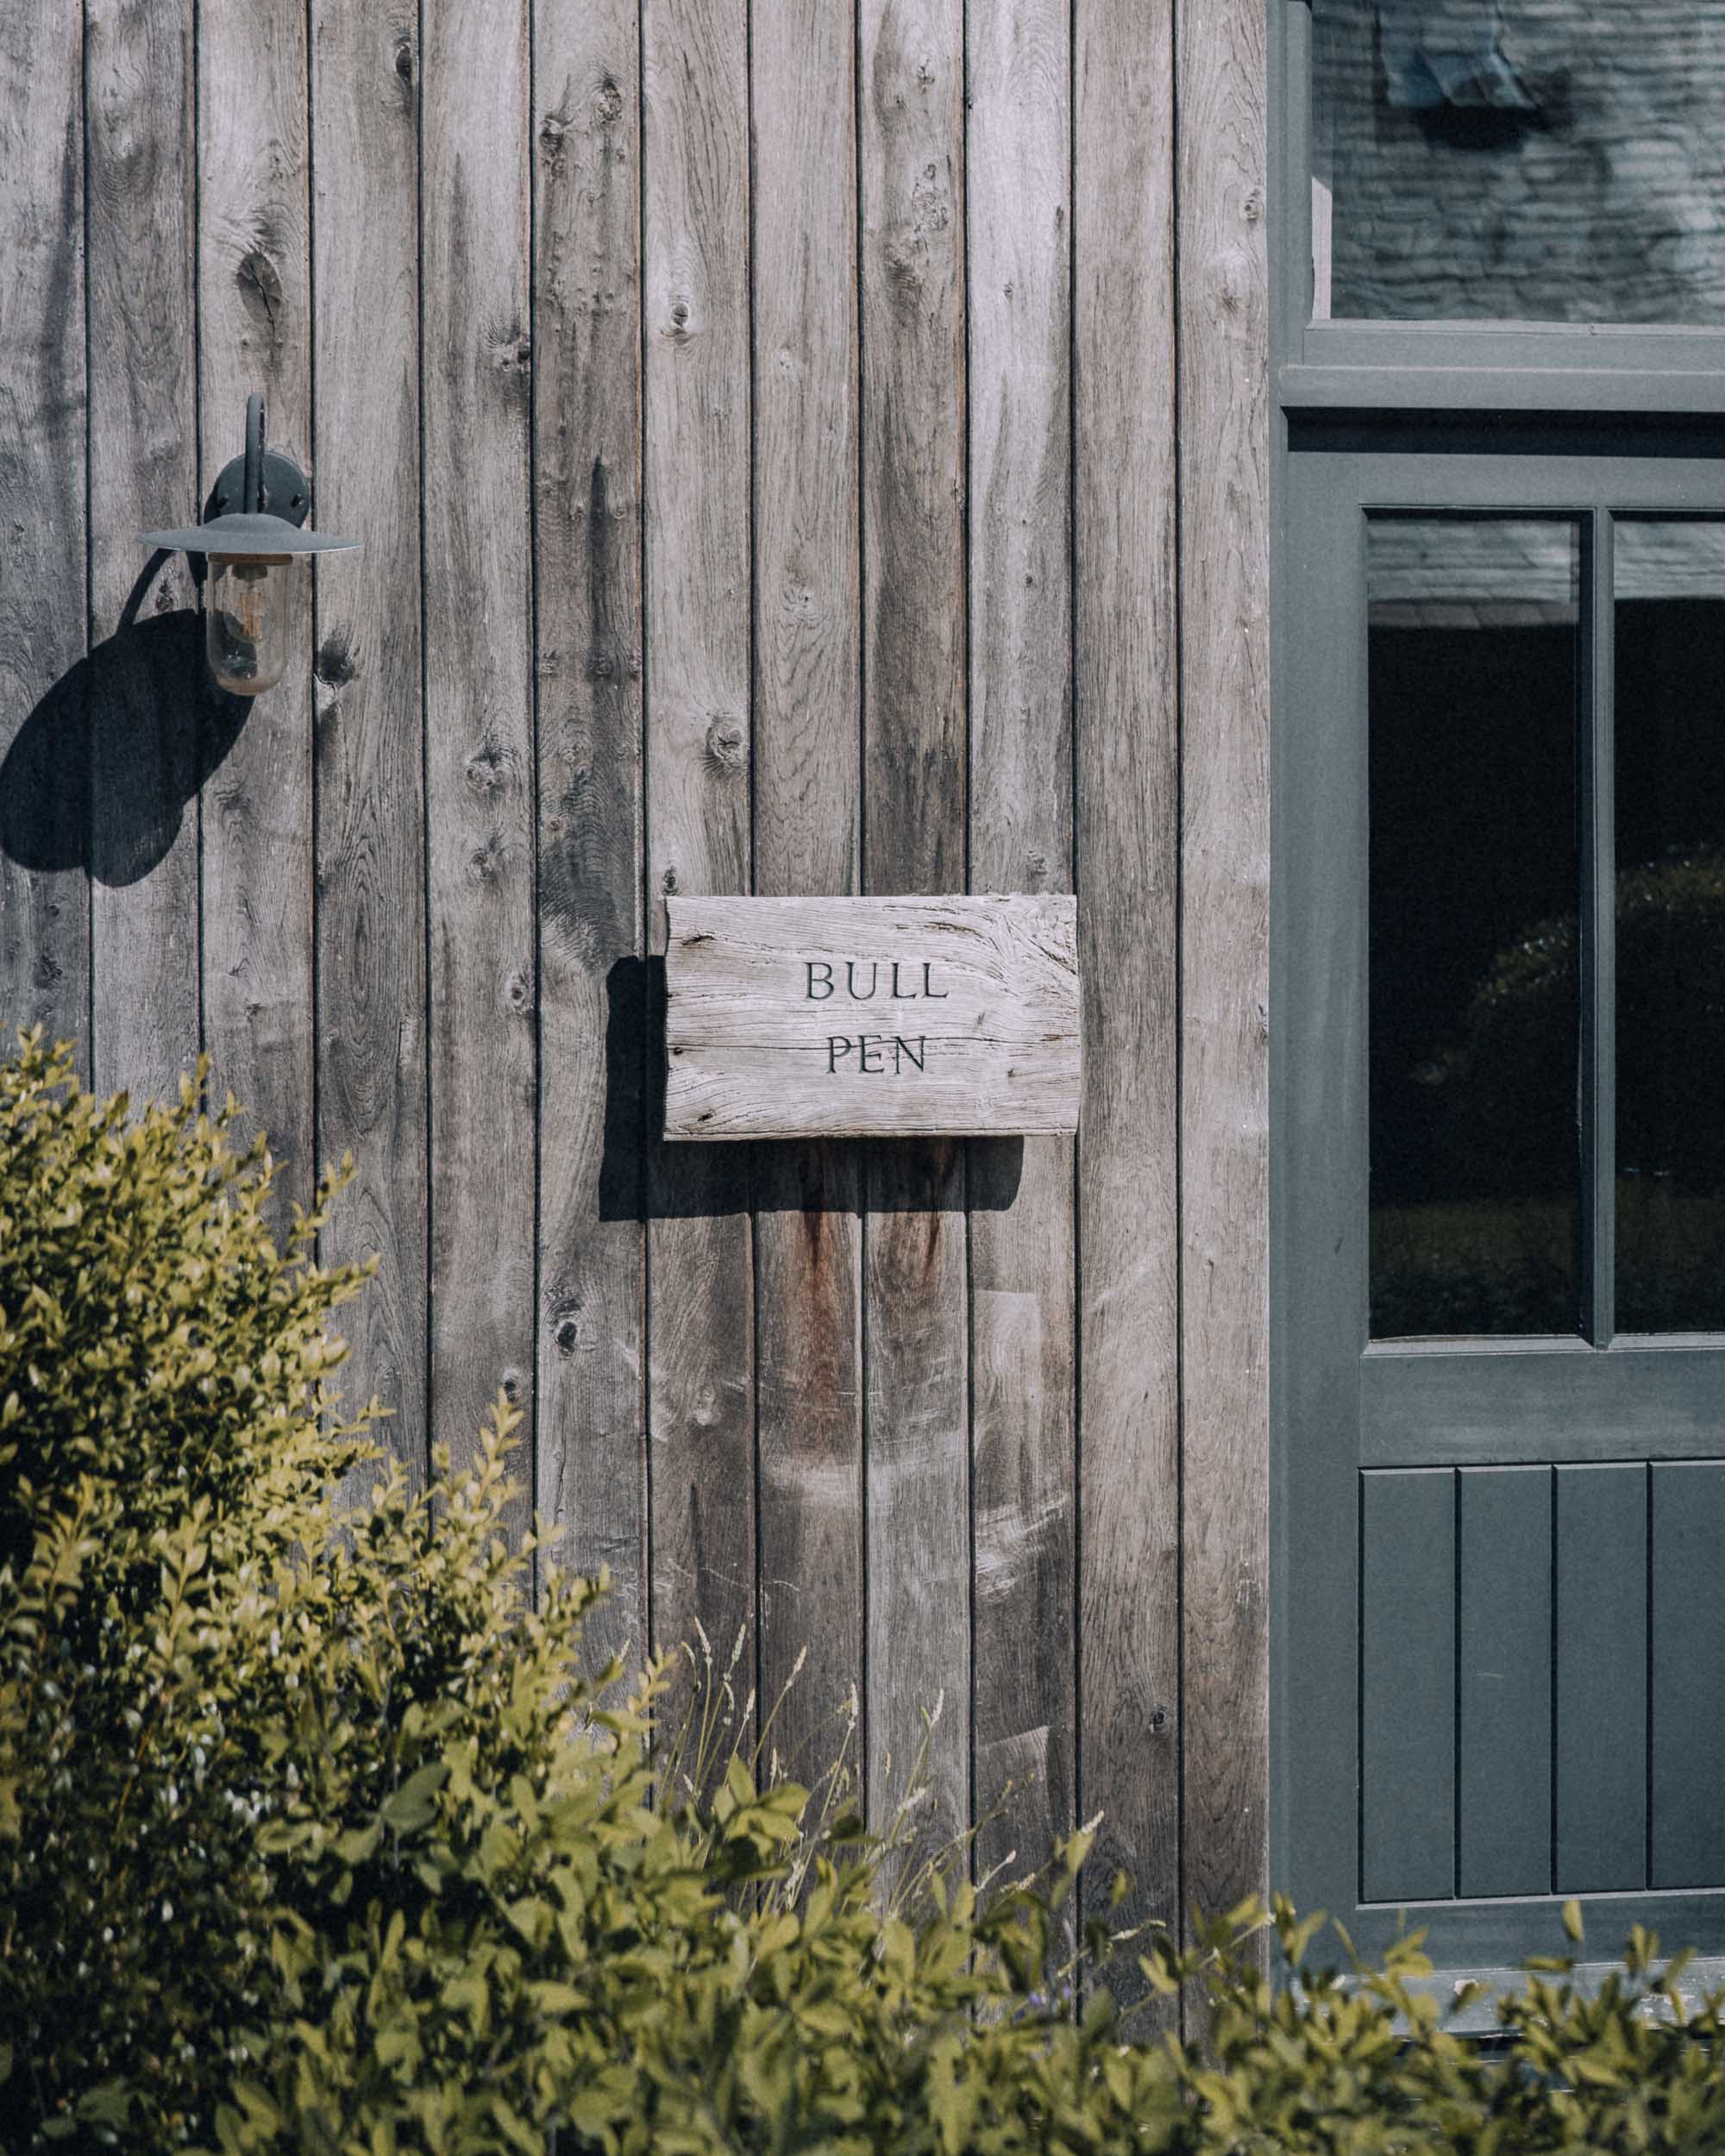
[1222, 329]
[1504, 1837]
[1017, 172]
[1408, 1675]
[591, 1463]
[808, 800]
[479, 714]
[1125, 718]
[915, 1286]
[254, 333]
[44, 756]
[700, 1265]
[1687, 1840]
[370, 737]
[1601, 1678]
[147, 696]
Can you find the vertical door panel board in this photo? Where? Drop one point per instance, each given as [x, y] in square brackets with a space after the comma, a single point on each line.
[370, 735]
[808, 803]
[700, 1298]
[147, 692]
[1018, 170]
[1224, 945]
[1687, 1706]
[591, 1452]
[1504, 1772]
[254, 333]
[44, 754]
[918, 1583]
[1601, 1678]
[1320, 984]
[1407, 1695]
[1128, 849]
[478, 715]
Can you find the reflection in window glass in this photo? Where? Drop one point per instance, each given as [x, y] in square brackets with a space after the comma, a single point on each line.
[1550, 160]
[1670, 607]
[1475, 1011]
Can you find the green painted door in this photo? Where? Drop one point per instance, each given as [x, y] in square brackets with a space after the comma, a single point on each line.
[1499, 1673]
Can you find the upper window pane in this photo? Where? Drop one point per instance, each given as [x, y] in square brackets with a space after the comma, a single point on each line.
[1670, 591]
[1474, 669]
[1544, 160]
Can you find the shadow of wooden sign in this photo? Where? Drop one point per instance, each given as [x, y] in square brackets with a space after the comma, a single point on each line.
[861, 1017]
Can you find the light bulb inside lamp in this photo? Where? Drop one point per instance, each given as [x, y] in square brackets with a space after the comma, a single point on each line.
[246, 620]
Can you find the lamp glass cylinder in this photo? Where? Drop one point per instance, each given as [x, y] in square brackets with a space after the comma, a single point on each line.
[246, 620]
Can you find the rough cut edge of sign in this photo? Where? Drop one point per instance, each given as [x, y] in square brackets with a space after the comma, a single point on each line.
[1001, 1055]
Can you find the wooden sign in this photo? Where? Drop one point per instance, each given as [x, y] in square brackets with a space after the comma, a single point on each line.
[836, 1018]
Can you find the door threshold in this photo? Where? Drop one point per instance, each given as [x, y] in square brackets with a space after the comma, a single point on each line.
[1479, 2017]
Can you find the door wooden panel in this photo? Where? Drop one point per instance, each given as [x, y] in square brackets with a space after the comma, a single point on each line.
[1601, 1643]
[1687, 1775]
[1408, 1672]
[1504, 1838]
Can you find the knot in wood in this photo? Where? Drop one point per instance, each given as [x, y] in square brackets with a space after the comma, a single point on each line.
[485, 769]
[512, 354]
[259, 283]
[335, 664]
[726, 742]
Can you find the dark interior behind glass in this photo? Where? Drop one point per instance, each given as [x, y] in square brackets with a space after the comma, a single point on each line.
[1670, 755]
[1474, 1029]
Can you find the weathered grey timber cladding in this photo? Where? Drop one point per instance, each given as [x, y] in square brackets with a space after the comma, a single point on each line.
[786, 459]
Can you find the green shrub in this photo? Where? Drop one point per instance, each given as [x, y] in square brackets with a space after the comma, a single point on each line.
[315, 1836]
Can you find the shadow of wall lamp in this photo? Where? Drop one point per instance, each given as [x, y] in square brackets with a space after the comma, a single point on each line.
[260, 503]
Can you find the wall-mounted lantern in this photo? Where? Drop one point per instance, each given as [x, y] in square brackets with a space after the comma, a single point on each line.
[259, 503]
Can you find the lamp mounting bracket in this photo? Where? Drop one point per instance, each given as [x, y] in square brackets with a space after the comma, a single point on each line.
[260, 480]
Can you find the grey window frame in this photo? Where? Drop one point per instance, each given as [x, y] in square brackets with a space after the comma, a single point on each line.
[1441, 365]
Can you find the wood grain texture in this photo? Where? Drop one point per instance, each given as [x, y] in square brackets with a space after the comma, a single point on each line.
[591, 1456]
[1023, 1265]
[915, 1281]
[700, 1262]
[146, 695]
[808, 799]
[823, 542]
[254, 333]
[44, 759]
[479, 716]
[1224, 945]
[852, 1018]
[370, 743]
[1126, 723]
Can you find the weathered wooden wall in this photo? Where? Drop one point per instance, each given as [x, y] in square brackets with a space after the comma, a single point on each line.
[810, 446]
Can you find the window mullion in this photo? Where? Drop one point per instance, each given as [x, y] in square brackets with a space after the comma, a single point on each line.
[1599, 934]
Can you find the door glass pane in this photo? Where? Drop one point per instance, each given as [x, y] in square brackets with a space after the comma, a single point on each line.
[1474, 675]
[1552, 161]
[1669, 579]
